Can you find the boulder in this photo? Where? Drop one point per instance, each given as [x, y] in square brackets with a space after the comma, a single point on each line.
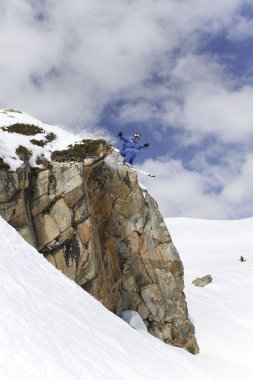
[203, 281]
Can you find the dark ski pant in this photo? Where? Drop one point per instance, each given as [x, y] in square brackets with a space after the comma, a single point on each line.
[129, 155]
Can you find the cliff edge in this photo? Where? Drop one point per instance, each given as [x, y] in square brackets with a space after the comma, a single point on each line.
[96, 224]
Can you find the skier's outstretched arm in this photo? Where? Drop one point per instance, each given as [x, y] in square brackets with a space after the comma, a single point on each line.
[120, 135]
[143, 146]
[126, 139]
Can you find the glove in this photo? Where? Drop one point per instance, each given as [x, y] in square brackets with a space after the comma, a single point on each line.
[145, 145]
[119, 134]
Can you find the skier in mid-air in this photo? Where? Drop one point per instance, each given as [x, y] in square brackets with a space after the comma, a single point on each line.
[131, 148]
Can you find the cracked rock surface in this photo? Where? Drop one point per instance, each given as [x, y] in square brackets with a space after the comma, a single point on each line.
[96, 225]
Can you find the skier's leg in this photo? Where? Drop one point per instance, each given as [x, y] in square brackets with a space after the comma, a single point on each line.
[129, 156]
[133, 158]
[123, 153]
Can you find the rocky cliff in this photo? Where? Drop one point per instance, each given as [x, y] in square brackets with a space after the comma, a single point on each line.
[98, 226]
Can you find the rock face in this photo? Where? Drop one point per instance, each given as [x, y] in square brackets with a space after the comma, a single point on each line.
[96, 225]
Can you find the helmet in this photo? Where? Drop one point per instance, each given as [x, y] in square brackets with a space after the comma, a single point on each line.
[137, 136]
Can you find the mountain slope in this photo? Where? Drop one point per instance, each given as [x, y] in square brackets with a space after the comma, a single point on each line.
[223, 311]
[52, 329]
[46, 138]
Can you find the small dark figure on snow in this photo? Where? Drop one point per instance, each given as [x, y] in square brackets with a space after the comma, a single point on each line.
[242, 259]
[131, 148]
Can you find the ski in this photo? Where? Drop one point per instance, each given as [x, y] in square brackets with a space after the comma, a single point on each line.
[130, 168]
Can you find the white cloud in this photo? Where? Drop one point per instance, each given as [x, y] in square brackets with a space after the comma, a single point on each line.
[242, 29]
[64, 62]
[180, 192]
[240, 188]
[211, 108]
[100, 50]
[215, 192]
[198, 97]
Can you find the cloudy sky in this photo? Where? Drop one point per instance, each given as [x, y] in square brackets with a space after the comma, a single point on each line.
[178, 71]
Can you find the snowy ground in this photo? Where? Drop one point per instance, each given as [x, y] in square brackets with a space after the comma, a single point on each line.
[51, 329]
[10, 141]
[223, 311]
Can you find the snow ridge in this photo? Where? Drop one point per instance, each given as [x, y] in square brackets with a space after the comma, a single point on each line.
[10, 141]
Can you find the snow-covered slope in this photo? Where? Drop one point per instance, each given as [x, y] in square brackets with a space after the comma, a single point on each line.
[223, 311]
[10, 141]
[51, 329]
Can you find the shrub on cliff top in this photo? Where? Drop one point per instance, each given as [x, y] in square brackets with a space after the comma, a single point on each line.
[43, 161]
[78, 152]
[39, 142]
[50, 136]
[12, 110]
[23, 129]
[23, 153]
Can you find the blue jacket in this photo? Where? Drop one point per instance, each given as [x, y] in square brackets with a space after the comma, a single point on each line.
[130, 143]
